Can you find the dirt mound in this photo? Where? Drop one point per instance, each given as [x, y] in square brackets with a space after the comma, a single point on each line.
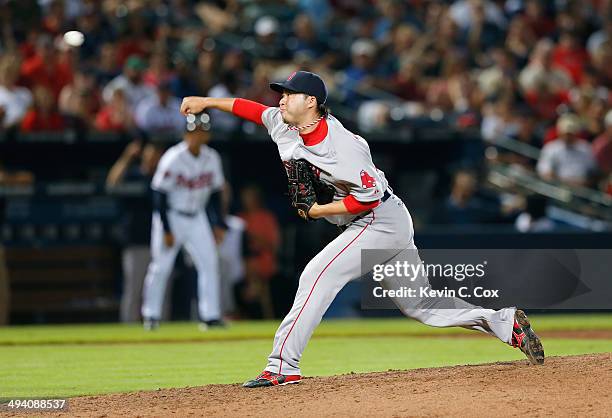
[564, 386]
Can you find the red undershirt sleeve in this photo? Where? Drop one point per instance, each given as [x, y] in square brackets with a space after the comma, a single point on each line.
[249, 110]
[354, 206]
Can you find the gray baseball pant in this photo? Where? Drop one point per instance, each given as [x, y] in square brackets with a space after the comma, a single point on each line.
[388, 226]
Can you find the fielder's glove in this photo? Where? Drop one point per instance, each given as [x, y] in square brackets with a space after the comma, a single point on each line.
[305, 188]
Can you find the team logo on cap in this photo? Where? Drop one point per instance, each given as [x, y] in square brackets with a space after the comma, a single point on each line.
[292, 75]
[367, 181]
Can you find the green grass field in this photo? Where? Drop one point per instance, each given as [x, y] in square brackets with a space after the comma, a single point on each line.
[64, 361]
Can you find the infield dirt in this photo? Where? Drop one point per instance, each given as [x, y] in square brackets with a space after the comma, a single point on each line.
[563, 386]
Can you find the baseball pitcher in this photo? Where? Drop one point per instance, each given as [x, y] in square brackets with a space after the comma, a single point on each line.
[188, 180]
[331, 175]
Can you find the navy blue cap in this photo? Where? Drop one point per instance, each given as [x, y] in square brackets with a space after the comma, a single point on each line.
[303, 82]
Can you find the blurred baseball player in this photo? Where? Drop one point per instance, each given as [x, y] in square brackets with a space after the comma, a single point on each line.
[188, 180]
[371, 216]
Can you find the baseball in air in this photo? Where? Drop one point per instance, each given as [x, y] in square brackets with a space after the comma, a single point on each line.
[74, 38]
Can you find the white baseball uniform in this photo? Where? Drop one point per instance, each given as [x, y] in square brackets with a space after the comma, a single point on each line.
[346, 164]
[188, 181]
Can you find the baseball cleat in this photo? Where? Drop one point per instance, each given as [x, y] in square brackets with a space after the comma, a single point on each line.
[526, 340]
[150, 324]
[267, 378]
[213, 323]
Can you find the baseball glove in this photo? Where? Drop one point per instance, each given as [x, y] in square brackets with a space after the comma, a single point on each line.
[305, 188]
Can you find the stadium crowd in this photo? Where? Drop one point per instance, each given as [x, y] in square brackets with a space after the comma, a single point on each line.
[537, 71]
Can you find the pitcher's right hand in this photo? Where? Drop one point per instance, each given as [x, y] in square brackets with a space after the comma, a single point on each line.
[193, 105]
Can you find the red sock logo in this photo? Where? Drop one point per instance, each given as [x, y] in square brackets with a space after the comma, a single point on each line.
[367, 180]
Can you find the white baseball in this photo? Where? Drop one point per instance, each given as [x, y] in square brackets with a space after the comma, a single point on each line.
[74, 38]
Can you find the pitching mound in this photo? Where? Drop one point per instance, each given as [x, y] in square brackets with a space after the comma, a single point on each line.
[564, 386]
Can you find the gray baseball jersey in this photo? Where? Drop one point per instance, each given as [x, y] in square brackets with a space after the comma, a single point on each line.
[343, 158]
[345, 162]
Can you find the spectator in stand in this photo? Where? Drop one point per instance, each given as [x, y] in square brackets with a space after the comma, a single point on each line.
[263, 242]
[184, 83]
[481, 33]
[135, 38]
[602, 64]
[527, 134]
[208, 66]
[499, 121]
[406, 47]
[407, 82]
[116, 116]
[540, 69]
[446, 93]
[520, 40]
[464, 206]
[441, 41]
[320, 12]
[392, 14]
[567, 159]
[592, 84]
[597, 39]
[14, 100]
[45, 68]
[107, 67]
[226, 87]
[373, 115]
[182, 13]
[359, 75]
[234, 62]
[94, 26]
[305, 40]
[259, 90]
[497, 80]
[538, 18]
[593, 116]
[54, 22]
[602, 146]
[80, 100]
[462, 12]
[269, 44]
[552, 133]
[44, 116]
[219, 17]
[573, 16]
[545, 87]
[570, 55]
[159, 70]
[467, 99]
[454, 57]
[130, 81]
[158, 114]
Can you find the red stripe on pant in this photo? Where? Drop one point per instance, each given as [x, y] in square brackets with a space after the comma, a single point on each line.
[280, 367]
